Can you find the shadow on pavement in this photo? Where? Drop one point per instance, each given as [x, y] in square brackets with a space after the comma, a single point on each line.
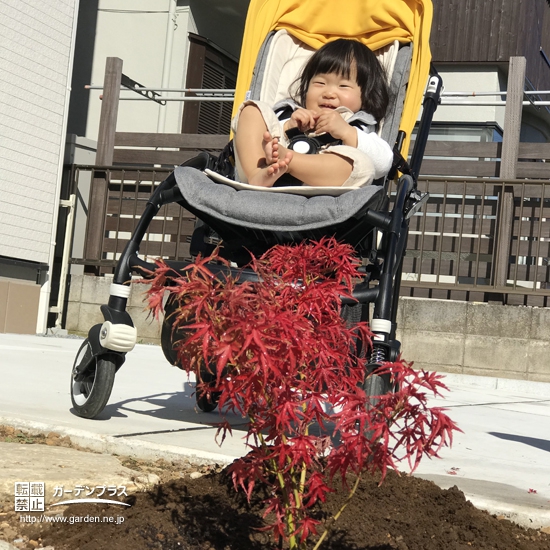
[543, 444]
[177, 406]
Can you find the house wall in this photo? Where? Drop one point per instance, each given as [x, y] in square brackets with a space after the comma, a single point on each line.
[491, 32]
[36, 48]
[35, 64]
[136, 33]
[472, 38]
[472, 78]
[482, 36]
[221, 21]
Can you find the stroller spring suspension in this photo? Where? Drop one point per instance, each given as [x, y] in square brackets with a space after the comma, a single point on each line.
[378, 355]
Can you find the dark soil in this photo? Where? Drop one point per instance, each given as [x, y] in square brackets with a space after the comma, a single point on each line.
[404, 513]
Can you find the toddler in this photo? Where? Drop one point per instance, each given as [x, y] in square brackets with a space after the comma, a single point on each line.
[342, 91]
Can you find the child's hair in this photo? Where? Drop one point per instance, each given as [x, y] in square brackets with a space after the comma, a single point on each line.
[339, 57]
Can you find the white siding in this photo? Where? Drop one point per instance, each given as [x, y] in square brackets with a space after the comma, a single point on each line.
[35, 53]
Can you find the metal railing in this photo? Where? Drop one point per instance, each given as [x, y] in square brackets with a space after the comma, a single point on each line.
[453, 248]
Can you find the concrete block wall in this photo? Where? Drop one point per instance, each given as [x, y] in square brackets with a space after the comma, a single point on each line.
[476, 338]
[442, 335]
[87, 294]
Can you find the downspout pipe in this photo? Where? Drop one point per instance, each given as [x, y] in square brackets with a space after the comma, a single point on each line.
[46, 289]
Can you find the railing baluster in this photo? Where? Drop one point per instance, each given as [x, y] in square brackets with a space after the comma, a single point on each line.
[460, 233]
[120, 199]
[178, 234]
[164, 212]
[480, 232]
[423, 235]
[443, 213]
[539, 237]
[518, 247]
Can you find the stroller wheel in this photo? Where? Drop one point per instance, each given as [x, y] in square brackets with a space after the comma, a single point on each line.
[90, 395]
[207, 403]
[168, 338]
[375, 385]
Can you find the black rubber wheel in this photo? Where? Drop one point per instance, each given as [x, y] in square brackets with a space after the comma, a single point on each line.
[167, 337]
[207, 405]
[90, 395]
[203, 402]
[376, 385]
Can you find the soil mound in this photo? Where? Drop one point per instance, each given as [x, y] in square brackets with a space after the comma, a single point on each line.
[404, 513]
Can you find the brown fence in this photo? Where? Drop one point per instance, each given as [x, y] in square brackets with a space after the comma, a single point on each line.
[481, 236]
[125, 192]
[476, 239]
[483, 160]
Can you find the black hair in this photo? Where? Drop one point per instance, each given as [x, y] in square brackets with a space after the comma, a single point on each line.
[339, 56]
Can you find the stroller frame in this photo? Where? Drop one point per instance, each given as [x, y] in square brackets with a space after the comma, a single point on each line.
[104, 350]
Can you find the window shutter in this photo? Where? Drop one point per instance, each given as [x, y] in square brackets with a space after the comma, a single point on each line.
[209, 68]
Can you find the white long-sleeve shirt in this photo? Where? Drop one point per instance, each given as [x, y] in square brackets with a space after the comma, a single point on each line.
[370, 143]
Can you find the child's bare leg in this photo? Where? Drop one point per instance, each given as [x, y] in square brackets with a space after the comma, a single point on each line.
[328, 170]
[251, 141]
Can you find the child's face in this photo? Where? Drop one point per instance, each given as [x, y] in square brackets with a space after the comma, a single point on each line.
[326, 92]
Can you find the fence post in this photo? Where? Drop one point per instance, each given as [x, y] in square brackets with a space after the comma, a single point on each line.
[508, 168]
[104, 157]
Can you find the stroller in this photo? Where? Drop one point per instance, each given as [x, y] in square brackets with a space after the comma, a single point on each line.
[374, 219]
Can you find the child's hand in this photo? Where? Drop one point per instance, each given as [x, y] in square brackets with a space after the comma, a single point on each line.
[303, 119]
[332, 123]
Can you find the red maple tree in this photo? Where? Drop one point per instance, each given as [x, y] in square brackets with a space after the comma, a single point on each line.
[279, 352]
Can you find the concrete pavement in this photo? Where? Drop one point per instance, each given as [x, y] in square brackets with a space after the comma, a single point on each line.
[501, 461]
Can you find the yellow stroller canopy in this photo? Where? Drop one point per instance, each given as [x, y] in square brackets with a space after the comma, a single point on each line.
[376, 23]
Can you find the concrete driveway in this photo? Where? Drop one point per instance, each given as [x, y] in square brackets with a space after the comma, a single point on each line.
[501, 461]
